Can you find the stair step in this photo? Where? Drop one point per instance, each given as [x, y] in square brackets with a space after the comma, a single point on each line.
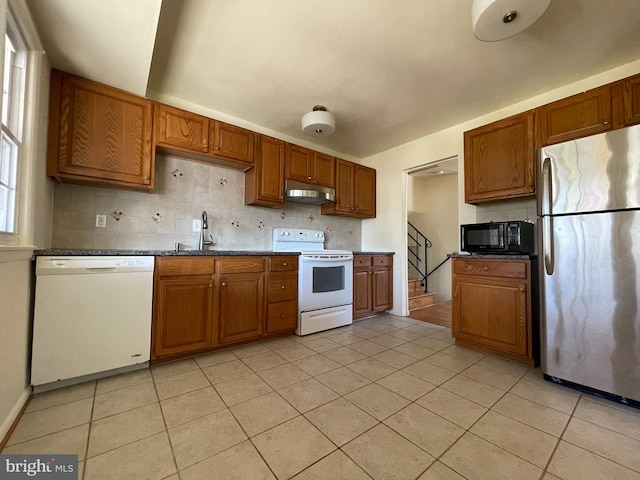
[418, 301]
[414, 286]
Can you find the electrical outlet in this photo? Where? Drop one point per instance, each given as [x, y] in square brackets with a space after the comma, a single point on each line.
[197, 224]
[101, 221]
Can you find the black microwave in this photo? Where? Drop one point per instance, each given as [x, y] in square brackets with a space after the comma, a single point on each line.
[497, 237]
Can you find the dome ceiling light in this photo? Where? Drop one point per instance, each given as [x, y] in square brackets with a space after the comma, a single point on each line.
[319, 122]
[495, 20]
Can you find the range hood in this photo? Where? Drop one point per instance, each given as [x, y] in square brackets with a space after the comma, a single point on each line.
[306, 193]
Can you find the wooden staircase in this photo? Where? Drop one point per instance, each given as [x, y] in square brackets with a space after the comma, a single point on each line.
[418, 299]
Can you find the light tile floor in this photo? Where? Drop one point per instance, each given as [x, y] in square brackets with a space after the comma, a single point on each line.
[385, 398]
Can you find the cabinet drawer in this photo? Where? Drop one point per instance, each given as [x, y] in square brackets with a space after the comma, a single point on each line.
[491, 268]
[362, 260]
[382, 260]
[167, 267]
[242, 265]
[282, 316]
[282, 286]
[283, 263]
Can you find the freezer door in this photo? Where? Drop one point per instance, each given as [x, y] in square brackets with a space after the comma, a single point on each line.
[590, 319]
[591, 174]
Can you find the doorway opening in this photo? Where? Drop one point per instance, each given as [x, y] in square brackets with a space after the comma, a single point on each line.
[432, 227]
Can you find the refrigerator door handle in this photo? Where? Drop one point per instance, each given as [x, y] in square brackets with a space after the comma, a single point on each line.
[547, 244]
[546, 200]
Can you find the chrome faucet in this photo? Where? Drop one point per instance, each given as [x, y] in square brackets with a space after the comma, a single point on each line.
[204, 227]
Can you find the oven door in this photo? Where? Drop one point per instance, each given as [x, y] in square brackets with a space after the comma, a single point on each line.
[324, 282]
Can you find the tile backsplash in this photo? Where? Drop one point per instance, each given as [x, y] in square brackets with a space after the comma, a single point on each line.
[507, 210]
[183, 189]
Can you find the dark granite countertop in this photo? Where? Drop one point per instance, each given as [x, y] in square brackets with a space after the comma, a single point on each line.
[492, 255]
[70, 252]
[374, 253]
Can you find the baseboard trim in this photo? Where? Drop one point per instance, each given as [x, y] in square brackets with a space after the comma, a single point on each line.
[11, 422]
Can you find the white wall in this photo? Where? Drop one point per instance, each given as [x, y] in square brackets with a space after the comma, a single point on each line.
[388, 232]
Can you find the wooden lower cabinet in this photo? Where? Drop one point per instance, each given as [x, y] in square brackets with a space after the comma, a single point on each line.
[372, 284]
[491, 308]
[202, 303]
[241, 307]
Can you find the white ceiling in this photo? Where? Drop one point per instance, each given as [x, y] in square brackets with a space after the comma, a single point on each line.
[389, 70]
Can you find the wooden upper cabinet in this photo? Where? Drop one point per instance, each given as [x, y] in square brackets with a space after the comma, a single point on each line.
[231, 142]
[631, 100]
[99, 135]
[355, 191]
[264, 183]
[499, 159]
[182, 130]
[304, 165]
[574, 117]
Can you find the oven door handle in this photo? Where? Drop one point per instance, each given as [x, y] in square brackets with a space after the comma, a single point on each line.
[341, 259]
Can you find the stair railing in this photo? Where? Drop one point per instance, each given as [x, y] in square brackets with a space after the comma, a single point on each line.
[417, 246]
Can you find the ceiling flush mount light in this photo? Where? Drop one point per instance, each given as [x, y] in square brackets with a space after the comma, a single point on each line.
[495, 20]
[319, 122]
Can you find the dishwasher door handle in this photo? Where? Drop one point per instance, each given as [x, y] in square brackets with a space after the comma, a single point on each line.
[100, 269]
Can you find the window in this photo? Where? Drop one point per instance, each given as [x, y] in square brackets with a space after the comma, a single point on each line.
[13, 88]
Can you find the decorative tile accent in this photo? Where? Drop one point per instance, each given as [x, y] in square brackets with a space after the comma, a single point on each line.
[261, 225]
[117, 214]
[176, 173]
[157, 218]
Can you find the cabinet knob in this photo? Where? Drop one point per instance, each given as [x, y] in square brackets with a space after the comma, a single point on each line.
[606, 122]
[308, 178]
[284, 264]
[211, 285]
[216, 148]
[146, 177]
[282, 287]
[204, 145]
[224, 284]
[282, 315]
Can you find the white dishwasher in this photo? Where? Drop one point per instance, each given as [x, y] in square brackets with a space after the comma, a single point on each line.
[92, 315]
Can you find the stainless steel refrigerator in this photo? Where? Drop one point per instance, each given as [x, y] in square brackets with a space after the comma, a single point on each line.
[589, 246]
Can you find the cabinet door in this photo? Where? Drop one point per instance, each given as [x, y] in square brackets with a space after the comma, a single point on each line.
[299, 161]
[362, 295]
[492, 312]
[182, 315]
[365, 191]
[382, 290]
[181, 129]
[577, 116]
[631, 96]
[264, 183]
[231, 142]
[98, 134]
[241, 314]
[324, 169]
[499, 160]
[345, 194]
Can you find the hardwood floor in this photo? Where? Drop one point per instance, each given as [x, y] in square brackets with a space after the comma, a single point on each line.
[439, 314]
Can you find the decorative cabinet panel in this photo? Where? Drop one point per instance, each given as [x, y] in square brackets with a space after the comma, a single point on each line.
[577, 116]
[491, 307]
[372, 284]
[204, 302]
[355, 191]
[499, 159]
[308, 166]
[241, 306]
[231, 142]
[99, 135]
[264, 183]
[631, 99]
[182, 130]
